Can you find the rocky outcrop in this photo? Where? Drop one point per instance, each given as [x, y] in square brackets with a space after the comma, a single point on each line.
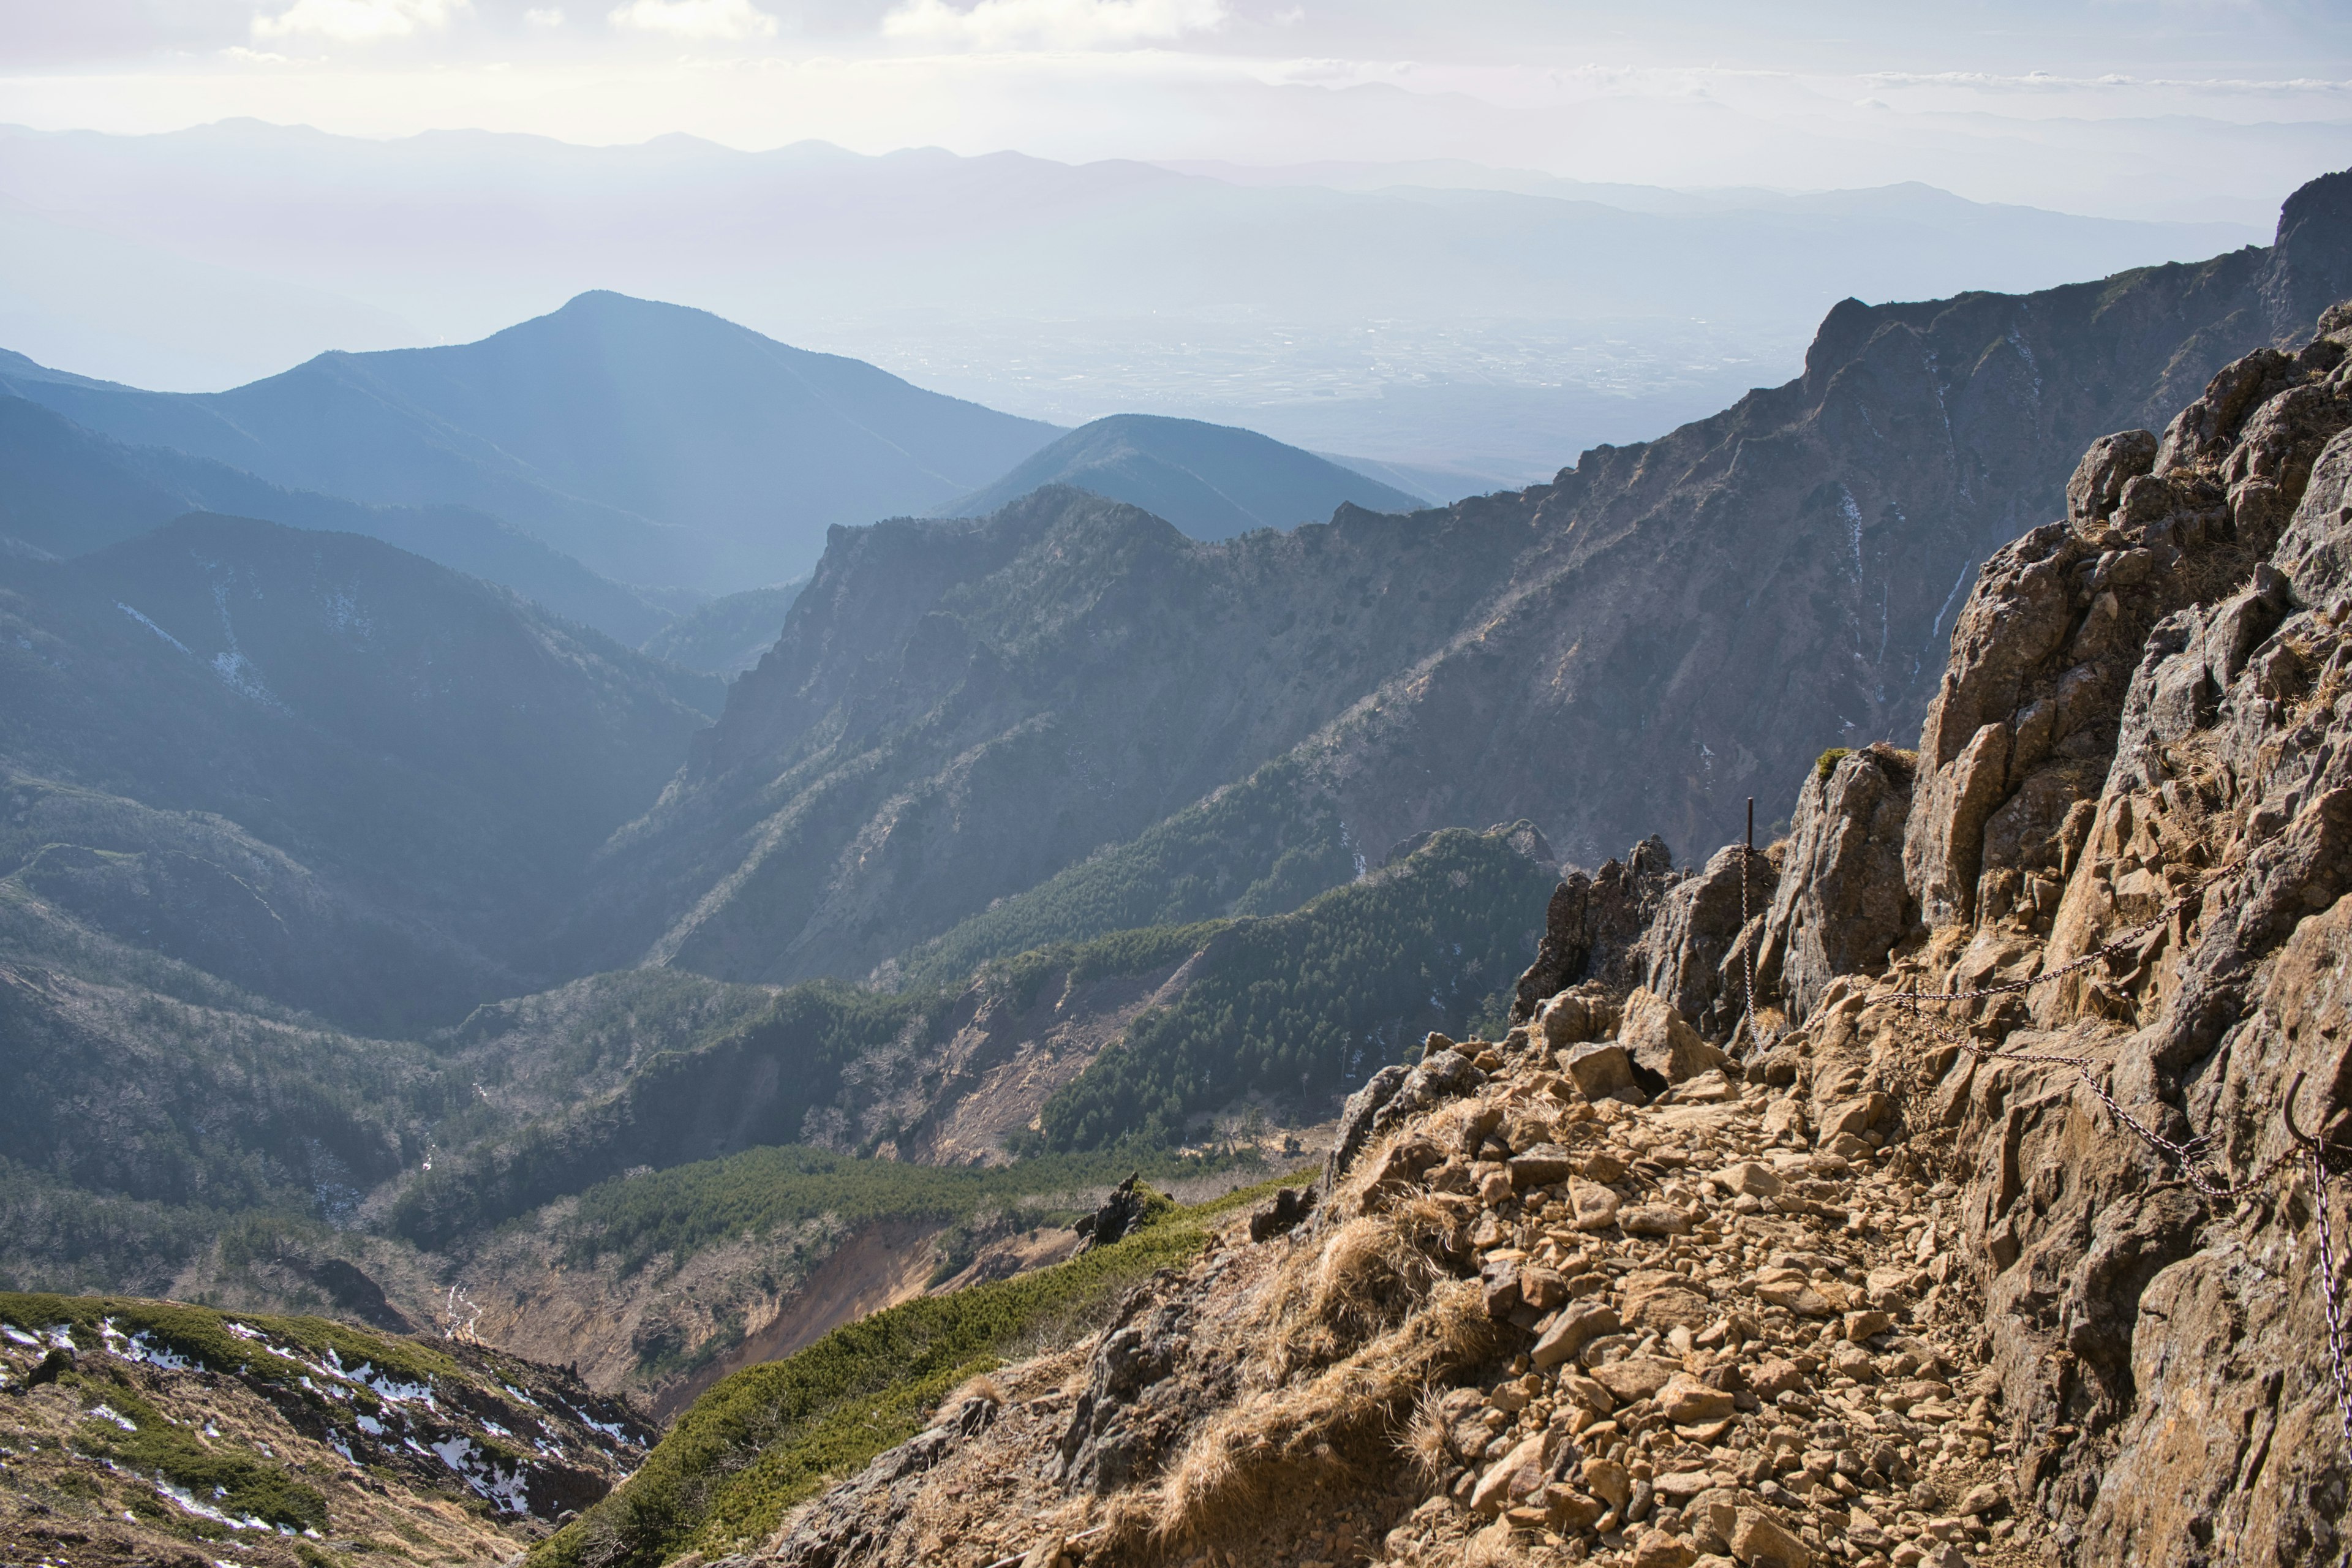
[1693, 956]
[2133, 760]
[1841, 903]
[1594, 925]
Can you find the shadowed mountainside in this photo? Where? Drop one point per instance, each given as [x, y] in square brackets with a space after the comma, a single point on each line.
[958, 711]
[67, 490]
[269, 751]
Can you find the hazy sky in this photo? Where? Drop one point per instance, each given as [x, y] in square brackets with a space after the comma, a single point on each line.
[2129, 106]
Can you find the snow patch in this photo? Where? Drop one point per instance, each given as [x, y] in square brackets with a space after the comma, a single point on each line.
[504, 1487]
[154, 628]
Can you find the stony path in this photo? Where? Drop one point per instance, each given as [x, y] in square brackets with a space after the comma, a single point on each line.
[1733, 1354]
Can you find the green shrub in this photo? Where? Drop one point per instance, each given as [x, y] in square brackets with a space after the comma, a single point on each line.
[770, 1436]
[1826, 764]
[236, 1484]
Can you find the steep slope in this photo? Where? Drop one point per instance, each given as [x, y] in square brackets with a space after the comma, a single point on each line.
[957, 710]
[658, 444]
[70, 491]
[2000, 1234]
[1211, 480]
[157, 1432]
[270, 751]
[1702, 613]
[1663, 631]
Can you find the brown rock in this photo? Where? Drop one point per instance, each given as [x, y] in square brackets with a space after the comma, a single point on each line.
[1541, 1166]
[1523, 1465]
[1685, 1400]
[1576, 1326]
[1656, 1549]
[1775, 1377]
[1655, 1219]
[1747, 1176]
[1656, 1302]
[1595, 1206]
[1608, 1480]
[1585, 1391]
[1856, 1116]
[1565, 1020]
[1760, 1540]
[1599, 1069]
[1602, 1166]
[1542, 1288]
[1566, 1510]
[1660, 1038]
[1406, 1159]
[2111, 463]
[1862, 1325]
[1784, 1121]
[1635, 1377]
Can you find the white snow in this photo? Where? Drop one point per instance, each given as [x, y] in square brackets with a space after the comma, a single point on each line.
[154, 628]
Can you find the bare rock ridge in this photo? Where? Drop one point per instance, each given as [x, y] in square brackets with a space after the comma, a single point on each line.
[1910, 1280]
[958, 710]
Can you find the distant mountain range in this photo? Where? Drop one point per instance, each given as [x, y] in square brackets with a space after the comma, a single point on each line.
[67, 490]
[656, 444]
[959, 711]
[1211, 480]
[1474, 319]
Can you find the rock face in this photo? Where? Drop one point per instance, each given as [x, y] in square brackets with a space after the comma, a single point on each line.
[957, 712]
[1841, 902]
[2142, 702]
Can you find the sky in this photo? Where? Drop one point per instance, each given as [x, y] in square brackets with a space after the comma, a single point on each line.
[2177, 108]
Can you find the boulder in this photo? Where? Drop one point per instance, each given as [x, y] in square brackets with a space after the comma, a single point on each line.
[1599, 1069]
[1660, 1039]
[1841, 903]
[2099, 479]
[1595, 1206]
[1760, 1540]
[1577, 1325]
[1635, 1377]
[1593, 925]
[1691, 951]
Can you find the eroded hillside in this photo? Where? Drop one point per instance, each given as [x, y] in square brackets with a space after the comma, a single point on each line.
[1996, 1235]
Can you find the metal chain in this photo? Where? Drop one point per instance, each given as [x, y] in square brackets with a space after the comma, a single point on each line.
[2327, 1287]
[2108, 948]
[1746, 936]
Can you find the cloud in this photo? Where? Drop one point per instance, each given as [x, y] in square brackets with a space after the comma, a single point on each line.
[1051, 24]
[359, 21]
[544, 16]
[695, 18]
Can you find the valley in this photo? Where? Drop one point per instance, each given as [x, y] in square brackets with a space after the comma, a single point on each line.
[643, 884]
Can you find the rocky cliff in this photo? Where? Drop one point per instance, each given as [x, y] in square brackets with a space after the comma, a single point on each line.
[958, 711]
[2002, 1235]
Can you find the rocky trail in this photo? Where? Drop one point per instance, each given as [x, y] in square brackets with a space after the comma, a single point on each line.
[1993, 1228]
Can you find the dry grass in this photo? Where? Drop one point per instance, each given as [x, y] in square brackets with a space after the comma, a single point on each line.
[1247, 1459]
[979, 1387]
[1426, 1442]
